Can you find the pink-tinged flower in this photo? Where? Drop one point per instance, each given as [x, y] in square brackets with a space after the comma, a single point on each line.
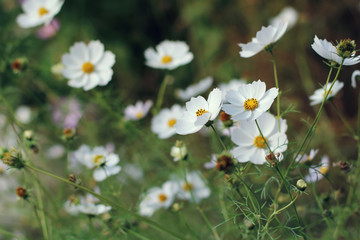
[49, 30]
[137, 111]
[67, 112]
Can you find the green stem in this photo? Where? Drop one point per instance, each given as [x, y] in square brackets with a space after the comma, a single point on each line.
[341, 116]
[108, 201]
[277, 86]
[318, 202]
[161, 94]
[10, 234]
[216, 235]
[218, 138]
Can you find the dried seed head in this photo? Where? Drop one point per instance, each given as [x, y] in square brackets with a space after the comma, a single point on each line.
[69, 133]
[346, 48]
[21, 192]
[13, 158]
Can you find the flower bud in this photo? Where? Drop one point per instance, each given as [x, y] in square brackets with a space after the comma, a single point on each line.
[346, 48]
[22, 193]
[19, 65]
[226, 119]
[68, 133]
[179, 151]
[30, 141]
[13, 158]
[301, 185]
[28, 134]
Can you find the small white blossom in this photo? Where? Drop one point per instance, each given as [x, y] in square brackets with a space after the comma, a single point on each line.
[163, 123]
[307, 158]
[316, 173]
[178, 153]
[195, 89]
[137, 111]
[249, 101]
[23, 114]
[288, 15]
[264, 37]
[196, 185]
[319, 94]
[168, 55]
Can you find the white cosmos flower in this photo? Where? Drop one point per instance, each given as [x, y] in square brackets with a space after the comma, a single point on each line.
[251, 145]
[137, 111]
[249, 101]
[317, 172]
[307, 158]
[88, 66]
[195, 89]
[264, 37]
[157, 198]
[328, 51]
[288, 14]
[354, 76]
[198, 112]
[23, 114]
[163, 123]
[234, 84]
[197, 186]
[168, 55]
[93, 209]
[37, 12]
[319, 94]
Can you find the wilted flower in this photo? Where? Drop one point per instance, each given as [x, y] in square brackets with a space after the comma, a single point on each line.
[328, 51]
[264, 40]
[22, 193]
[314, 170]
[320, 93]
[163, 123]
[88, 66]
[195, 89]
[137, 111]
[222, 162]
[38, 12]
[288, 15]
[199, 112]
[252, 146]
[249, 101]
[168, 55]
[157, 198]
[195, 184]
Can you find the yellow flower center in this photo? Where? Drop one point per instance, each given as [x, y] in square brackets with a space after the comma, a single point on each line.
[188, 186]
[259, 142]
[43, 11]
[88, 67]
[166, 59]
[162, 197]
[323, 169]
[99, 159]
[200, 112]
[139, 115]
[171, 122]
[250, 104]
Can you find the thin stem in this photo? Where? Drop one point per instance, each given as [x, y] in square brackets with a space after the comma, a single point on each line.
[341, 116]
[161, 94]
[216, 235]
[10, 234]
[318, 202]
[108, 201]
[266, 143]
[218, 138]
[277, 86]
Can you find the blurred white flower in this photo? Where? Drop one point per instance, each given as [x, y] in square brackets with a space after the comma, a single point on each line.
[319, 94]
[234, 84]
[157, 198]
[307, 158]
[137, 111]
[163, 123]
[88, 66]
[134, 172]
[55, 151]
[195, 89]
[38, 12]
[316, 173]
[251, 146]
[23, 114]
[264, 37]
[288, 15]
[57, 69]
[249, 101]
[328, 51]
[178, 152]
[199, 112]
[168, 55]
[196, 184]
[354, 76]
[93, 209]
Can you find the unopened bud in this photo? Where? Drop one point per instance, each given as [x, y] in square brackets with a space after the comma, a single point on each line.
[346, 48]
[69, 133]
[176, 207]
[226, 119]
[28, 134]
[301, 185]
[179, 151]
[13, 158]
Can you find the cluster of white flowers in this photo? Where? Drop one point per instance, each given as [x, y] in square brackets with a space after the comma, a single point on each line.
[164, 196]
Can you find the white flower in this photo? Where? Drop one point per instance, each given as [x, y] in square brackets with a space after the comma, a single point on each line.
[314, 171]
[168, 55]
[251, 145]
[307, 158]
[264, 37]
[55, 151]
[178, 153]
[199, 112]
[93, 209]
[319, 94]
[163, 123]
[328, 51]
[23, 114]
[288, 15]
[195, 89]
[37, 12]
[137, 111]
[354, 76]
[234, 84]
[197, 186]
[249, 101]
[213, 162]
[88, 66]
[158, 198]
